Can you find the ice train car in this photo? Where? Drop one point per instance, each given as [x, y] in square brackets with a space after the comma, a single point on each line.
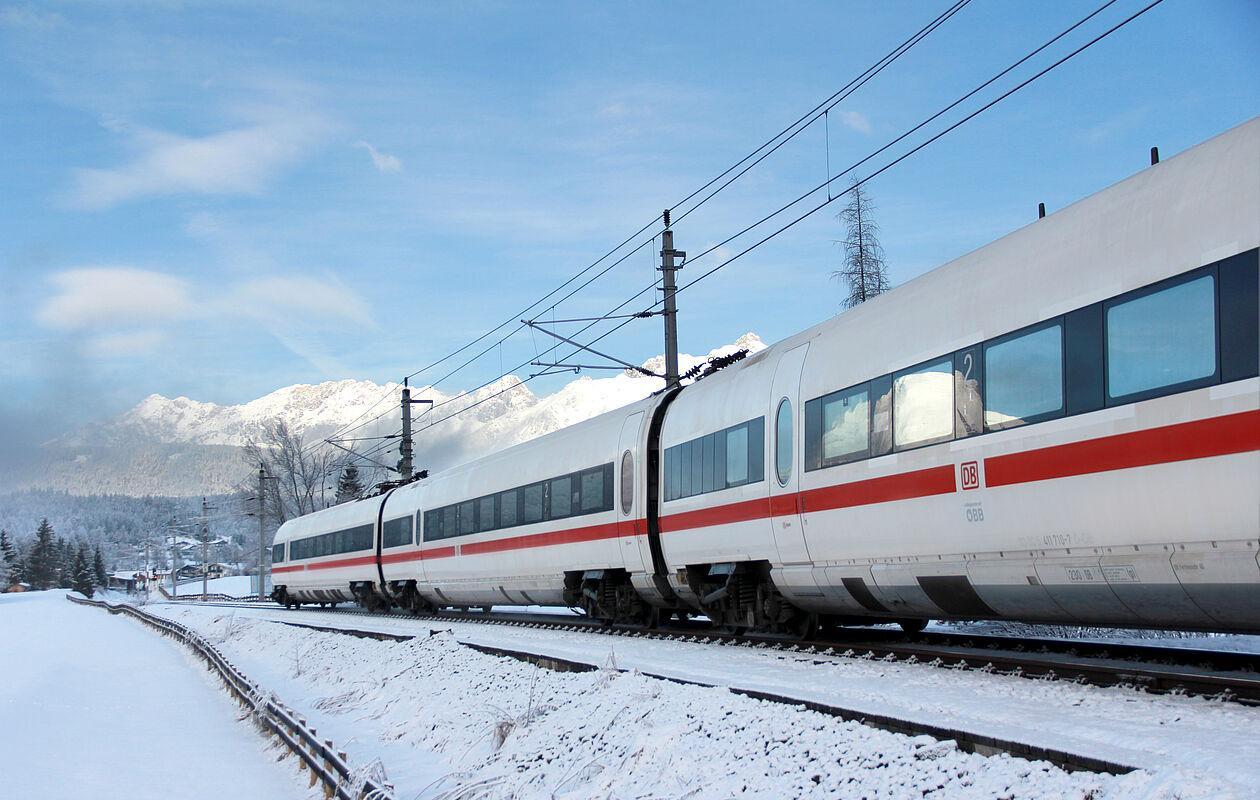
[1062, 426]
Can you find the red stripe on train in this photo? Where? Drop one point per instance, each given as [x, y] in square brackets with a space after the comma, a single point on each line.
[417, 555]
[1232, 433]
[1203, 438]
[590, 533]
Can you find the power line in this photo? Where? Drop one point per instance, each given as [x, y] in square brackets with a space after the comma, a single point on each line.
[815, 113]
[788, 132]
[933, 138]
[629, 318]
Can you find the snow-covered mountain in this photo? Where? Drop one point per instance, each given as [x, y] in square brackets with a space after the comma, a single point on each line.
[180, 446]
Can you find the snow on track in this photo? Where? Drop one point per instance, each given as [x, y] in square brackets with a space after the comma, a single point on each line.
[96, 705]
[520, 731]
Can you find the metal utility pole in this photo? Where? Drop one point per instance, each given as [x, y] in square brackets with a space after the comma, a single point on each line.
[174, 561]
[405, 447]
[263, 477]
[262, 533]
[205, 548]
[670, 288]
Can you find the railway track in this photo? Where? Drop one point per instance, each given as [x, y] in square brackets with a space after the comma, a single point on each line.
[1222, 675]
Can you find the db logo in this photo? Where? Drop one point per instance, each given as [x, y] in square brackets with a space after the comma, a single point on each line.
[970, 474]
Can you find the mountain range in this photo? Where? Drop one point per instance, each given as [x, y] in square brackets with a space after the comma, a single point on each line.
[183, 447]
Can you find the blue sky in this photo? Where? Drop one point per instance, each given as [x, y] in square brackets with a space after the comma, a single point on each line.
[219, 199]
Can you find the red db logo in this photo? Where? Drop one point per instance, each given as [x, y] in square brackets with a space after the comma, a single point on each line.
[970, 475]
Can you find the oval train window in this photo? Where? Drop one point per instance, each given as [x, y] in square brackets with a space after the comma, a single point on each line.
[783, 441]
[627, 482]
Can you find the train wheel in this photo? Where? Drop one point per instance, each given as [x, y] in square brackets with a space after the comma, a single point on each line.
[806, 626]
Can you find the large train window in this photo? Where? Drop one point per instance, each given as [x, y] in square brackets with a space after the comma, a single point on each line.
[838, 427]
[396, 532]
[507, 508]
[1023, 377]
[627, 482]
[277, 553]
[783, 442]
[737, 456]
[533, 508]
[485, 514]
[968, 401]
[1161, 339]
[923, 404]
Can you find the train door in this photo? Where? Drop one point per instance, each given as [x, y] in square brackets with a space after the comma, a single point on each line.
[630, 497]
[783, 475]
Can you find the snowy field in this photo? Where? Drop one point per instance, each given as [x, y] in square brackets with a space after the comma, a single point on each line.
[234, 585]
[96, 705]
[450, 722]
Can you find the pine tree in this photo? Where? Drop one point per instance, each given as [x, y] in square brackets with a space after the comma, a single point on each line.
[98, 569]
[81, 572]
[9, 566]
[863, 267]
[349, 486]
[65, 564]
[42, 563]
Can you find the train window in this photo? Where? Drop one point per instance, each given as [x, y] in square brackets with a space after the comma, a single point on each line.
[593, 490]
[396, 532]
[467, 517]
[783, 442]
[756, 449]
[485, 514]
[846, 426]
[1162, 339]
[533, 507]
[881, 416]
[968, 379]
[1023, 378]
[561, 506]
[450, 521]
[708, 458]
[627, 482]
[277, 553]
[1239, 294]
[507, 508]
[923, 404]
[737, 456]
[697, 466]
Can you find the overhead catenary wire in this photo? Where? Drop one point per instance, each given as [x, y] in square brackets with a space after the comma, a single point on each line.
[626, 319]
[1082, 48]
[787, 132]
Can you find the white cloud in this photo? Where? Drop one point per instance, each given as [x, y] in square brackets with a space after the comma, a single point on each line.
[116, 312]
[107, 296]
[243, 160]
[312, 301]
[855, 120]
[383, 162]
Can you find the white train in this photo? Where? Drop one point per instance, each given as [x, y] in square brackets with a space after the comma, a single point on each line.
[1062, 426]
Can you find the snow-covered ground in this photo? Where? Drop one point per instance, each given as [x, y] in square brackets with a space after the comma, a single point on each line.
[1231, 642]
[446, 718]
[96, 705]
[234, 585]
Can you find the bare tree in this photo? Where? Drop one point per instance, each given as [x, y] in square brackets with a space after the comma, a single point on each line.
[863, 268]
[303, 473]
